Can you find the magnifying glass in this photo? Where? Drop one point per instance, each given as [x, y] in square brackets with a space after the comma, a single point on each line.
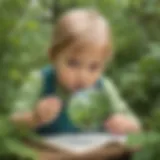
[88, 110]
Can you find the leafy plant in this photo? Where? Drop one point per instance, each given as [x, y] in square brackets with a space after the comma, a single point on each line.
[148, 144]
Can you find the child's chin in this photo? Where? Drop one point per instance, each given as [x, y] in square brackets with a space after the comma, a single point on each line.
[74, 90]
[78, 89]
[71, 89]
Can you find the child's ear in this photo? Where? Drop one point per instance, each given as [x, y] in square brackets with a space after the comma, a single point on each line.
[50, 55]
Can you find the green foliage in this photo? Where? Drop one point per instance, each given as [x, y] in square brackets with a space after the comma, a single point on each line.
[19, 25]
[149, 146]
[11, 141]
[143, 139]
[153, 121]
[150, 152]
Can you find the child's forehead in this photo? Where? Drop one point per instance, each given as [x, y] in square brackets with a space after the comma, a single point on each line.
[89, 50]
[87, 54]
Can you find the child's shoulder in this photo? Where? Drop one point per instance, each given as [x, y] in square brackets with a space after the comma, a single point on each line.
[49, 78]
[39, 75]
[108, 84]
[106, 81]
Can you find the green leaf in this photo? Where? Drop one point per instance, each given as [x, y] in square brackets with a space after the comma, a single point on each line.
[18, 148]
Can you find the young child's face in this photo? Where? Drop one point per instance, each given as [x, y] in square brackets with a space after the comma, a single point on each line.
[79, 71]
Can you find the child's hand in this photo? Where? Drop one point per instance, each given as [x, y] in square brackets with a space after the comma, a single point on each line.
[120, 124]
[47, 110]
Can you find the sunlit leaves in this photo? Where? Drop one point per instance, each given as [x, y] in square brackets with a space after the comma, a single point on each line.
[149, 145]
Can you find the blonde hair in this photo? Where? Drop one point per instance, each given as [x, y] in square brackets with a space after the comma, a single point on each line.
[80, 28]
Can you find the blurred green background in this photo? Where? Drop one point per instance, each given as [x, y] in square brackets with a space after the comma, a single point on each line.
[25, 27]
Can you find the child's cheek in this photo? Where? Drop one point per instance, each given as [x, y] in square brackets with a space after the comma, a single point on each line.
[92, 78]
[67, 77]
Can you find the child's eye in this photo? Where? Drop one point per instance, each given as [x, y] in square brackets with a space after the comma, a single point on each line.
[94, 67]
[73, 63]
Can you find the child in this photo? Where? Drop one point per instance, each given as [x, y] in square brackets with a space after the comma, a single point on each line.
[80, 49]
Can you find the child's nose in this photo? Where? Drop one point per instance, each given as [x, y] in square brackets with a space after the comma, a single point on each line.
[82, 75]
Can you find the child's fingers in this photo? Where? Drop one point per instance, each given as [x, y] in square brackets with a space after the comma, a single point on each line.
[40, 111]
[52, 112]
[116, 131]
[48, 109]
[118, 125]
[116, 128]
[114, 121]
[123, 128]
[53, 101]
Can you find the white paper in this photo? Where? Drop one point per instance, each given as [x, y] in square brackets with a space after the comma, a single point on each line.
[83, 142]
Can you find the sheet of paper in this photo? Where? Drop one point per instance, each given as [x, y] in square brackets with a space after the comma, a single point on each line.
[82, 142]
